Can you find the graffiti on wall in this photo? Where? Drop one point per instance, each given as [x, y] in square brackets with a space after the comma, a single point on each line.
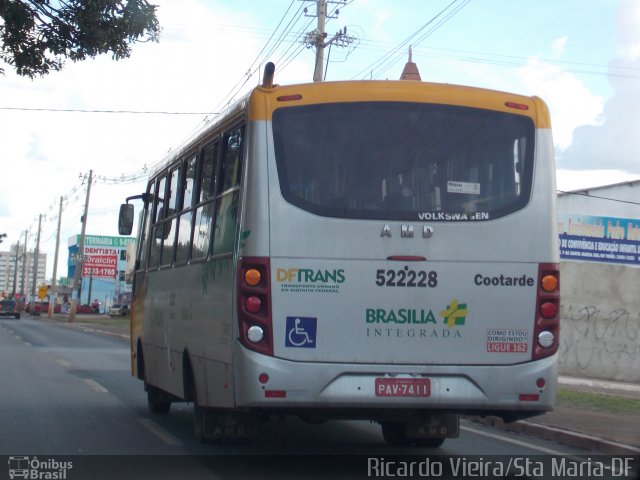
[599, 344]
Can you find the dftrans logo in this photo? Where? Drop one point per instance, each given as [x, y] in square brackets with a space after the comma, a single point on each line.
[455, 313]
[307, 275]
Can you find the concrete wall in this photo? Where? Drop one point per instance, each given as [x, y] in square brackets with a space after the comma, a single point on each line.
[600, 321]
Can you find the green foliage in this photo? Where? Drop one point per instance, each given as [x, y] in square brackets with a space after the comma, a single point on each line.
[36, 36]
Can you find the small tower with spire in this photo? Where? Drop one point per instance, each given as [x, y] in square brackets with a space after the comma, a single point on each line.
[410, 71]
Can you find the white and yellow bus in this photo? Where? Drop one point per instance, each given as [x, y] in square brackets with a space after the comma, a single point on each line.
[382, 250]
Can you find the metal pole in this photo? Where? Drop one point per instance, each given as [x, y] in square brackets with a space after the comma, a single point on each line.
[15, 271]
[78, 273]
[55, 264]
[24, 268]
[36, 254]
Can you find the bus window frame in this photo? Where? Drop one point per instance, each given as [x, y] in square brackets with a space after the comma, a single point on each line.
[186, 209]
[215, 144]
[157, 220]
[221, 191]
[171, 215]
[160, 216]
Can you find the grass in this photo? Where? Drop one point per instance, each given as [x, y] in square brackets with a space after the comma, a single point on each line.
[100, 320]
[600, 402]
[97, 320]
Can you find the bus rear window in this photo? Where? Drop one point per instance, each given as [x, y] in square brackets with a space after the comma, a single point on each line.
[403, 161]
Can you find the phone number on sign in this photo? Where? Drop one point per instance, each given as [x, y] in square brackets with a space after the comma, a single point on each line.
[98, 272]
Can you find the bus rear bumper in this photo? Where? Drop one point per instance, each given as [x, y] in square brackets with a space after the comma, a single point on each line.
[509, 391]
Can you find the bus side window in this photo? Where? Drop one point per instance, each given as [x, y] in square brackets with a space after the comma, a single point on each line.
[143, 254]
[157, 228]
[205, 205]
[226, 215]
[184, 223]
[169, 230]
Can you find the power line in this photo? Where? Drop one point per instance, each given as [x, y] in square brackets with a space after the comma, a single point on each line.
[79, 110]
[582, 194]
[392, 54]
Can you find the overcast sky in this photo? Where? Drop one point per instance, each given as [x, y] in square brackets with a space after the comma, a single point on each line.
[581, 56]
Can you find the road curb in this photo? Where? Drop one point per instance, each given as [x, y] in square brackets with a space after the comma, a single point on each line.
[102, 332]
[559, 435]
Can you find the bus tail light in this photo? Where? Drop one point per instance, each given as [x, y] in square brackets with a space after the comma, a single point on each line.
[517, 105]
[253, 296]
[547, 320]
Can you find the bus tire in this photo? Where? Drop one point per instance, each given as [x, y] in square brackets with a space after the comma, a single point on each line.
[199, 419]
[158, 401]
[139, 361]
[395, 434]
[429, 442]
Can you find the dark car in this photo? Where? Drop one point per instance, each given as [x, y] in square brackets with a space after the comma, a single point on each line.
[9, 308]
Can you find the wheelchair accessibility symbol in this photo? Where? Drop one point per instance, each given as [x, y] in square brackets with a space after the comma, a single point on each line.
[301, 332]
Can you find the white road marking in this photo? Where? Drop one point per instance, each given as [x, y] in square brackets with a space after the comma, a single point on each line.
[63, 363]
[511, 440]
[159, 432]
[95, 385]
[555, 453]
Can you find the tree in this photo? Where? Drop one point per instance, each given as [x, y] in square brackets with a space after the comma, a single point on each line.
[36, 36]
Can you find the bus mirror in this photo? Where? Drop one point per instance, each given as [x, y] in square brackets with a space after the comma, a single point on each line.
[125, 219]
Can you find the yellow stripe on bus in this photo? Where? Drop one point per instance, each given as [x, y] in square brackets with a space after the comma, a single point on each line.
[263, 101]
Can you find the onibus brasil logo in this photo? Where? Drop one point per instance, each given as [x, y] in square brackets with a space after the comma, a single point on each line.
[33, 468]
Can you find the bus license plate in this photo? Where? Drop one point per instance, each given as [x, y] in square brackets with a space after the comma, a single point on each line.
[403, 387]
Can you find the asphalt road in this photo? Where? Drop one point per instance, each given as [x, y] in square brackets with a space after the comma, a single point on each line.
[66, 393]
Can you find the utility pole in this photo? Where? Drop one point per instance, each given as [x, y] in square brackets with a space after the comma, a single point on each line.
[15, 271]
[24, 268]
[317, 37]
[36, 254]
[55, 264]
[75, 298]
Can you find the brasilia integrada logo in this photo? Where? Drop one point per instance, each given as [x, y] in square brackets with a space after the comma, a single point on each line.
[455, 313]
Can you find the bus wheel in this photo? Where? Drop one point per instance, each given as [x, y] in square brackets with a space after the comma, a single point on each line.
[395, 434]
[429, 442]
[158, 401]
[198, 420]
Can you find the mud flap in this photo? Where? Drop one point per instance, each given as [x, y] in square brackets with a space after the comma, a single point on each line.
[444, 425]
